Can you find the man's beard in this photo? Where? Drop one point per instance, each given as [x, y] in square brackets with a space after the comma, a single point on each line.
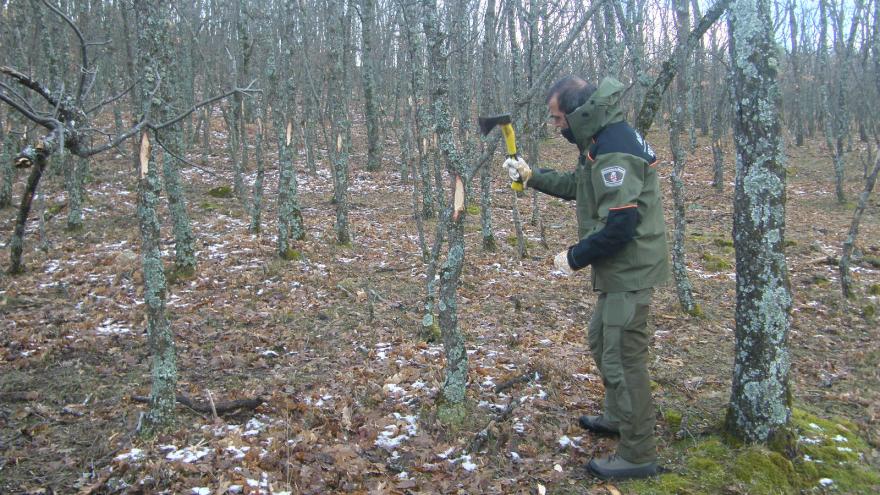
[569, 135]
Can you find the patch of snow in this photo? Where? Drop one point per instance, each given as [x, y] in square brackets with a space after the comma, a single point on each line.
[519, 427]
[809, 441]
[237, 453]
[52, 266]
[132, 455]
[814, 425]
[840, 438]
[446, 453]
[465, 461]
[188, 455]
[393, 389]
[235, 489]
[515, 457]
[844, 449]
[111, 327]
[201, 490]
[826, 482]
[564, 441]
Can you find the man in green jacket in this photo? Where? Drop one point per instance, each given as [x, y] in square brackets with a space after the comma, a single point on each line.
[622, 236]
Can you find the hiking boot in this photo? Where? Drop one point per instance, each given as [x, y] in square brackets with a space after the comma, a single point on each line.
[615, 467]
[598, 424]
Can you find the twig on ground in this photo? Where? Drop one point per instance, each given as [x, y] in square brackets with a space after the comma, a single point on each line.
[219, 408]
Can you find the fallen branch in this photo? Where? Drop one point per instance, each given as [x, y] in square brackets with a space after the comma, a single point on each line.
[203, 407]
[523, 378]
[19, 396]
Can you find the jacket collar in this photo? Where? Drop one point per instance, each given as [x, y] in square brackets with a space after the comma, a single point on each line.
[601, 109]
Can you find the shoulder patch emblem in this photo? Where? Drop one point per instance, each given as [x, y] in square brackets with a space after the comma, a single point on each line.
[613, 176]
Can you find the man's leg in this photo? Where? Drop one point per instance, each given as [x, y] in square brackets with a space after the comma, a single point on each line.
[595, 338]
[624, 362]
[637, 442]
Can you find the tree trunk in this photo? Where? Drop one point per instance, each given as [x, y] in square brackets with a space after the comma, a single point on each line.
[455, 372]
[16, 243]
[290, 222]
[373, 118]
[679, 156]
[760, 399]
[850, 242]
[7, 173]
[340, 125]
[152, 28]
[73, 184]
[257, 202]
[161, 340]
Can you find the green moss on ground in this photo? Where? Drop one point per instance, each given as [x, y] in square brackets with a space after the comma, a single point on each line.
[473, 209]
[512, 241]
[292, 255]
[874, 290]
[715, 263]
[220, 192]
[830, 459]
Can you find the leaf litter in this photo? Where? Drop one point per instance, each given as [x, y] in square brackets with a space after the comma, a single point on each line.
[351, 400]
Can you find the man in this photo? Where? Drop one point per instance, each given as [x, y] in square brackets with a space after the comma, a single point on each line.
[622, 236]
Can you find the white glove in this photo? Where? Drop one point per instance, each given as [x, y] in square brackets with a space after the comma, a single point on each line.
[518, 170]
[561, 263]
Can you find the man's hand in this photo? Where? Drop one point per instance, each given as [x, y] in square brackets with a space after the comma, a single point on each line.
[561, 263]
[518, 170]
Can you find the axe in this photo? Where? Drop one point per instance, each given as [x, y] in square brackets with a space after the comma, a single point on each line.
[486, 126]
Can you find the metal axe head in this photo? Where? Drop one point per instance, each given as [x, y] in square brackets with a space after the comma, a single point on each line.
[489, 123]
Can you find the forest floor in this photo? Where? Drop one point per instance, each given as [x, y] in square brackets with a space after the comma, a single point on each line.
[331, 341]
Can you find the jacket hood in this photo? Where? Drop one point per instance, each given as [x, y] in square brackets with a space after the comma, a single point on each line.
[601, 109]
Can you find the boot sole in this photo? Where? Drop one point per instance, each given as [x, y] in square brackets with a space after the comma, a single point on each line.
[602, 430]
[624, 474]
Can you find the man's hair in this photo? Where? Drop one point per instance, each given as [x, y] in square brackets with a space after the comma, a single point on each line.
[570, 92]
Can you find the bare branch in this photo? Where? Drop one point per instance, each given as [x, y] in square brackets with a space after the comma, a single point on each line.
[184, 160]
[29, 83]
[245, 91]
[114, 143]
[45, 122]
[110, 100]
[82, 48]
[14, 93]
[670, 67]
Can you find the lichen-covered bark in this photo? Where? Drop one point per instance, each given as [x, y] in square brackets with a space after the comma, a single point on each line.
[488, 100]
[154, 59]
[681, 100]
[337, 94]
[73, 169]
[184, 240]
[683, 286]
[371, 103]
[161, 340]
[850, 242]
[6, 171]
[16, 243]
[455, 372]
[760, 396]
[257, 206]
[415, 48]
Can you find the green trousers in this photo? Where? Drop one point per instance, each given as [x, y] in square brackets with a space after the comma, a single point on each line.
[619, 339]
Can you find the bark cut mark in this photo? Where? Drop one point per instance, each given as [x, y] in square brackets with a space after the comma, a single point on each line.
[145, 154]
[289, 132]
[458, 198]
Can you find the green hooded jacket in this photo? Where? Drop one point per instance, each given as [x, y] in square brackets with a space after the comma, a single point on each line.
[614, 172]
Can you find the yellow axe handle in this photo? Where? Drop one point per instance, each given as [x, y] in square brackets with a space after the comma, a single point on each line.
[510, 142]
[509, 139]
